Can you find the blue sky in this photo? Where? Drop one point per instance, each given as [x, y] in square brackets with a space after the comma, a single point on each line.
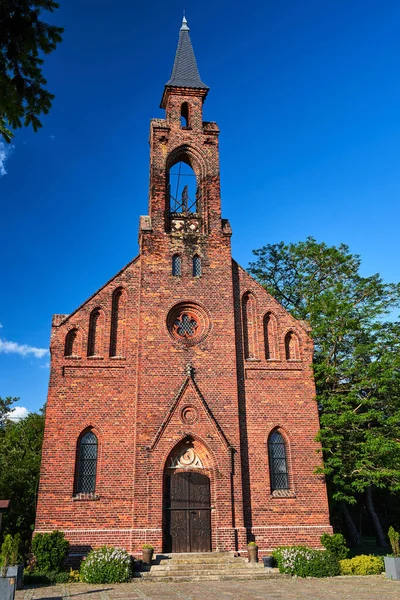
[307, 98]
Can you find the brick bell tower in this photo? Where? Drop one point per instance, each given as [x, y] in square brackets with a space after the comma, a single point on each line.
[187, 392]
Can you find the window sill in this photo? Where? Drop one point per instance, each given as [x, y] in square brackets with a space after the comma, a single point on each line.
[95, 357]
[283, 494]
[252, 359]
[72, 357]
[85, 497]
[117, 358]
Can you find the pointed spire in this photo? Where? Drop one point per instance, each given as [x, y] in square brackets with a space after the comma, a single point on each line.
[185, 72]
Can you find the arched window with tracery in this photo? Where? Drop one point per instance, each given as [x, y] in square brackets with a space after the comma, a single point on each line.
[270, 337]
[95, 333]
[176, 265]
[71, 347]
[278, 466]
[117, 322]
[86, 463]
[249, 325]
[196, 266]
[292, 346]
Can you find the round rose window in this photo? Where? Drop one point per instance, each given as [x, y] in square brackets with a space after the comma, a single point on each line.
[188, 323]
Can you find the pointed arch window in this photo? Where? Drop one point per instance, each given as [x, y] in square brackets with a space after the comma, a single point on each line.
[292, 347]
[270, 337]
[71, 343]
[278, 462]
[117, 317]
[86, 464]
[185, 115]
[196, 266]
[93, 348]
[249, 325]
[176, 265]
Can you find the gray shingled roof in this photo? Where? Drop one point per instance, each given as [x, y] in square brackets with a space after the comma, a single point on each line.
[185, 72]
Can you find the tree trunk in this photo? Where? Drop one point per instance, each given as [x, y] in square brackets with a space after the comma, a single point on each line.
[380, 536]
[352, 531]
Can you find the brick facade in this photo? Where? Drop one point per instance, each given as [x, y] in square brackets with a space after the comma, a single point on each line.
[120, 369]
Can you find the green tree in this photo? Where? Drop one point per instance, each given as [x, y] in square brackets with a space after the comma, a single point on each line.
[5, 404]
[20, 455]
[24, 39]
[356, 361]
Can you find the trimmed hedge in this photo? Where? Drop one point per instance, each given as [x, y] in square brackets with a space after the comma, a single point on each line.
[50, 550]
[364, 564]
[306, 562]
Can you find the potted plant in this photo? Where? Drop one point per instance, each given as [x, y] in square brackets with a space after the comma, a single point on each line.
[252, 549]
[7, 584]
[9, 553]
[392, 563]
[147, 553]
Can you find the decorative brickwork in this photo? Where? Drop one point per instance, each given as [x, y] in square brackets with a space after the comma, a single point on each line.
[182, 368]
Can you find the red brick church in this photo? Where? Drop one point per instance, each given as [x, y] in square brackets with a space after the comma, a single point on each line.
[181, 409]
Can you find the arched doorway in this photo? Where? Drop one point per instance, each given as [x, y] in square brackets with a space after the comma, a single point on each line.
[187, 502]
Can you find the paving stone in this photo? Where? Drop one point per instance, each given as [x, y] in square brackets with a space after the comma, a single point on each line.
[337, 588]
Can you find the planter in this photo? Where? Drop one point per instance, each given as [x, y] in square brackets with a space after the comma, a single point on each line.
[392, 567]
[17, 571]
[7, 588]
[268, 561]
[253, 553]
[147, 555]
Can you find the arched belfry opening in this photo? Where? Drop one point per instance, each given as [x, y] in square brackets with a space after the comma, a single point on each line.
[182, 188]
[185, 115]
[184, 205]
[187, 498]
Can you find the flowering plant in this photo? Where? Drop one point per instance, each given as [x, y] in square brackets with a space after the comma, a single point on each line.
[106, 565]
[306, 562]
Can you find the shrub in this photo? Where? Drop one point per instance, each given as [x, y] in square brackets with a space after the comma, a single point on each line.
[48, 578]
[306, 562]
[394, 538]
[336, 544]
[147, 547]
[50, 550]
[364, 564]
[9, 550]
[106, 565]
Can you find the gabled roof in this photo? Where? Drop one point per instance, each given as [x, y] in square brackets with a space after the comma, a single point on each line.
[185, 72]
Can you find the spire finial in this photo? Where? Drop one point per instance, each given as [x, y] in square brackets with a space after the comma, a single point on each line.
[184, 23]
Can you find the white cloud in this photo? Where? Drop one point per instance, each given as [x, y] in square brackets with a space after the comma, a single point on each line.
[5, 151]
[18, 413]
[45, 366]
[7, 347]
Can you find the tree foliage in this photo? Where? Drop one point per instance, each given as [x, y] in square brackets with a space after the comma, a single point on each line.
[24, 40]
[5, 404]
[356, 361]
[20, 454]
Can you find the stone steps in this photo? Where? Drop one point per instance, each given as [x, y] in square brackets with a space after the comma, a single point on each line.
[218, 566]
[221, 576]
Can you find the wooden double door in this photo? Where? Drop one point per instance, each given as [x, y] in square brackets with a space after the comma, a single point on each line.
[187, 512]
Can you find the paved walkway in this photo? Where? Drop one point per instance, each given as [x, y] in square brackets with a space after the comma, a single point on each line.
[338, 588]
